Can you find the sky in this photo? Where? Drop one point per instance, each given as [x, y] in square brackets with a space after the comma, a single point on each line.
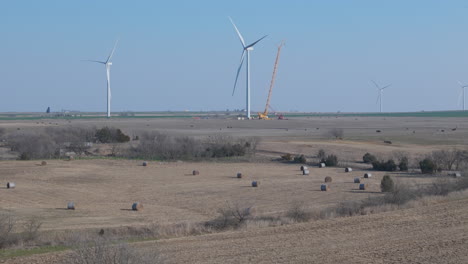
[183, 55]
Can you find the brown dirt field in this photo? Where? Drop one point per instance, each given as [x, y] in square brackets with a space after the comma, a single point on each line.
[429, 234]
[104, 190]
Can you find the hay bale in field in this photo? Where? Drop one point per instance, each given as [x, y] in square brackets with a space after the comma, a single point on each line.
[455, 174]
[328, 179]
[304, 168]
[348, 170]
[357, 180]
[367, 175]
[362, 186]
[322, 165]
[195, 172]
[43, 163]
[324, 187]
[137, 206]
[305, 172]
[10, 185]
[239, 175]
[144, 164]
[71, 206]
[255, 183]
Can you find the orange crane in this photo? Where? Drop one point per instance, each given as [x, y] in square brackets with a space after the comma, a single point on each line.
[264, 115]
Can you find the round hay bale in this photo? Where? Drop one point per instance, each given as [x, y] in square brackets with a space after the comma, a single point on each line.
[357, 180]
[43, 163]
[367, 175]
[71, 206]
[362, 186]
[144, 164]
[137, 206]
[10, 185]
[348, 170]
[239, 175]
[322, 165]
[455, 174]
[328, 179]
[195, 172]
[255, 183]
[304, 168]
[70, 158]
[305, 172]
[324, 187]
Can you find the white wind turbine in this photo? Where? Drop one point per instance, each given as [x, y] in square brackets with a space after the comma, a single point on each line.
[108, 65]
[462, 93]
[245, 52]
[380, 96]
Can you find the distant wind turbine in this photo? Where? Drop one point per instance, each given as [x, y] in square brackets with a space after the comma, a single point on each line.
[380, 96]
[462, 93]
[245, 52]
[108, 65]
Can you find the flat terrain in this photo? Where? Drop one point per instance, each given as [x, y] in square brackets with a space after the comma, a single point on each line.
[104, 190]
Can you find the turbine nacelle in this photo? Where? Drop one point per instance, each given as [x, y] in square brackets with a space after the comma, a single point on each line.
[249, 48]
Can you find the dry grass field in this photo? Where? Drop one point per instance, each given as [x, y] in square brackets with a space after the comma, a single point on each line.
[104, 190]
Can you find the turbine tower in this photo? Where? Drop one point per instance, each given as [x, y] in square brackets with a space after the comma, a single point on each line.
[380, 95]
[108, 65]
[245, 53]
[462, 93]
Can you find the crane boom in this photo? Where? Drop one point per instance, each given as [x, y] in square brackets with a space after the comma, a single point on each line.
[264, 115]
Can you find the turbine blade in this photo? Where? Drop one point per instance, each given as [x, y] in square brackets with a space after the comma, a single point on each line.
[102, 62]
[387, 86]
[238, 71]
[376, 85]
[253, 44]
[238, 33]
[460, 83]
[112, 52]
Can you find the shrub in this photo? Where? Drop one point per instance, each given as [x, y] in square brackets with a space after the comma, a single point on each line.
[337, 133]
[298, 213]
[111, 135]
[389, 165]
[403, 165]
[387, 184]
[287, 157]
[427, 165]
[368, 158]
[231, 216]
[33, 145]
[330, 161]
[300, 159]
[321, 154]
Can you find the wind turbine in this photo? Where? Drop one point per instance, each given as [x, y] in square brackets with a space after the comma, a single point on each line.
[462, 93]
[245, 53]
[380, 96]
[108, 65]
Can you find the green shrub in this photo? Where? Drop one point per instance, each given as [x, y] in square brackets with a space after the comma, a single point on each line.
[387, 184]
[389, 165]
[330, 160]
[300, 159]
[368, 158]
[427, 166]
[403, 165]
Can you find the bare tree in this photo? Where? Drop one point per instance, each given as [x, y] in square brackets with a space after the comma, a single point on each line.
[337, 133]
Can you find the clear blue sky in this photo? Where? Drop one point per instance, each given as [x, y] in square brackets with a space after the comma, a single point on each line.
[178, 55]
